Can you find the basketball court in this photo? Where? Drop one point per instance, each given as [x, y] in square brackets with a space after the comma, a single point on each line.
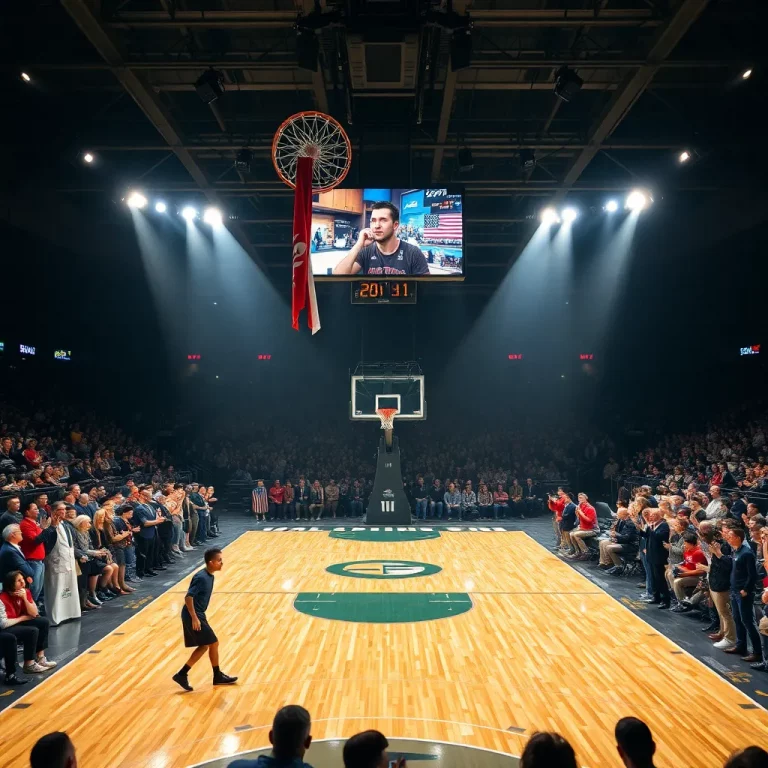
[455, 644]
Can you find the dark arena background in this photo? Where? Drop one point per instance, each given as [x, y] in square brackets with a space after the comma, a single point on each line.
[537, 238]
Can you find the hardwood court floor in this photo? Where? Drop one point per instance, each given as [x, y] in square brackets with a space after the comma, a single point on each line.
[541, 649]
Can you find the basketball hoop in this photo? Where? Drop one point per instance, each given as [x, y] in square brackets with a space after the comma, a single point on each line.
[315, 135]
[387, 416]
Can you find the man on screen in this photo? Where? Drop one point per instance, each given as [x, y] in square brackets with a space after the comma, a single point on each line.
[378, 251]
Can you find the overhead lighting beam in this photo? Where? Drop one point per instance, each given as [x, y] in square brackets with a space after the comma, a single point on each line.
[83, 16]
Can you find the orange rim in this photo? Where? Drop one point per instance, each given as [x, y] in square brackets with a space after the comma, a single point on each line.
[327, 137]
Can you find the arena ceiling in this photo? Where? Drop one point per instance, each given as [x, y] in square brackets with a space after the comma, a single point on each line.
[117, 78]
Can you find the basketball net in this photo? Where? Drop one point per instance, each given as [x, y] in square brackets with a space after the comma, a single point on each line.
[387, 416]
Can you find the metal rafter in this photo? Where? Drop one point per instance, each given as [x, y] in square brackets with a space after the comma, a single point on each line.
[147, 101]
[628, 93]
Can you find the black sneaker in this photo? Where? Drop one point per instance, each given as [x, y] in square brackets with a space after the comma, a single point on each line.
[15, 681]
[222, 679]
[182, 680]
[713, 627]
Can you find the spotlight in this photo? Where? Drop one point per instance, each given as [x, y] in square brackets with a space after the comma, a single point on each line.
[611, 206]
[25, 77]
[745, 75]
[160, 206]
[569, 215]
[637, 200]
[527, 159]
[549, 216]
[88, 157]
[461, 47]
[243, 160]
[189, 213]
[567, 83]
[684, 156]
[210, 85]
[136, 200]
[464, 159]
[213, 217]
[307, 48]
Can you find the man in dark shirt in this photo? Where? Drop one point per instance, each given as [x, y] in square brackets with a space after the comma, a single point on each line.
[12, 514]
[198, 633]
[290, 738]
[568, 522]
[378, 250]
[743, 584]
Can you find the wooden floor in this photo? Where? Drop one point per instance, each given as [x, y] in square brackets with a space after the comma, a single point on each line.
[541, 649]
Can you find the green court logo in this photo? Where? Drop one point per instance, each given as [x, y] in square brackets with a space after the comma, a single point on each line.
[383, 569]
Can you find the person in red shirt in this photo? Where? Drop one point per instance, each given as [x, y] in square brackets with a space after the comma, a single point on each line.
[23, 620]
[31, 456]
[588, 527]
[557, 505]
[32, 548]
[276, 498]
[688, 573]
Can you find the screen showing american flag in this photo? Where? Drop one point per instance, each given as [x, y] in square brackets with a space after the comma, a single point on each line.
[442, 226]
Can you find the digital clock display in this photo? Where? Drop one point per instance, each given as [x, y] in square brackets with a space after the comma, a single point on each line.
[384, 292]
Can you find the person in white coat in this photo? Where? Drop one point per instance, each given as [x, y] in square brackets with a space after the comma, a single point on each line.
[62, 601]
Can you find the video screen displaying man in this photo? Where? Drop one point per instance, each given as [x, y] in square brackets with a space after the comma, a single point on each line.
[378, 250]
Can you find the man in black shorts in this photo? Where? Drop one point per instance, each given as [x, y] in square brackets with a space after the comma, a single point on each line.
[378, 251]
[197, 631]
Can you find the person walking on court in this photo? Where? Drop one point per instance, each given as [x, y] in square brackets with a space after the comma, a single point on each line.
[197, 631]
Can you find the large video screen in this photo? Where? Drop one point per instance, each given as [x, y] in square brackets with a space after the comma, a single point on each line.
[380, 232]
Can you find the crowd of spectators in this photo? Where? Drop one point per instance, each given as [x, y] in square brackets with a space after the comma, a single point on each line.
[698, 551]
[291, 738]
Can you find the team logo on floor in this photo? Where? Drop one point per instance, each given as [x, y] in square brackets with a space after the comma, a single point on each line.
[383, 569]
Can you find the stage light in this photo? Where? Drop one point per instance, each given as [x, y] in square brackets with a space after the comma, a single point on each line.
[684, 156]
[611, 206]
[464, 159]
[746, 74]
[567, 83]
[189, 213]
[307, 48]
[160, 206]
[461, 48]
[213, 217]
[25, 77]
[549, 216]
[637, 200]
[88, 157]
[569, 215]
[243, 160]
[209, 86]
[136, 200]
[527, 159]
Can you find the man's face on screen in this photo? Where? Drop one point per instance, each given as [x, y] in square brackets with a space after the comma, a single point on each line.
[382, 225]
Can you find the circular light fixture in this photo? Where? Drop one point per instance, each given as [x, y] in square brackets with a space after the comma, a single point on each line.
[213, 217]
[189, 213]
[549, 216]
[25, 77]
[611, 206]
[746, 74]
[637, 200]
[160, 206]
[88, 157]
[569, 214]
[684, 156]
[136, 200]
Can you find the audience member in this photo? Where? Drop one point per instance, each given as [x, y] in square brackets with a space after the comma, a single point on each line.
[368, 750]
[23, 620]
[54, 750]
[547, 750]
[635, 743]
[290, 738]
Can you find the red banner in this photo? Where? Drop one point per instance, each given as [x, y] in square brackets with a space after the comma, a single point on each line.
[303, 282]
